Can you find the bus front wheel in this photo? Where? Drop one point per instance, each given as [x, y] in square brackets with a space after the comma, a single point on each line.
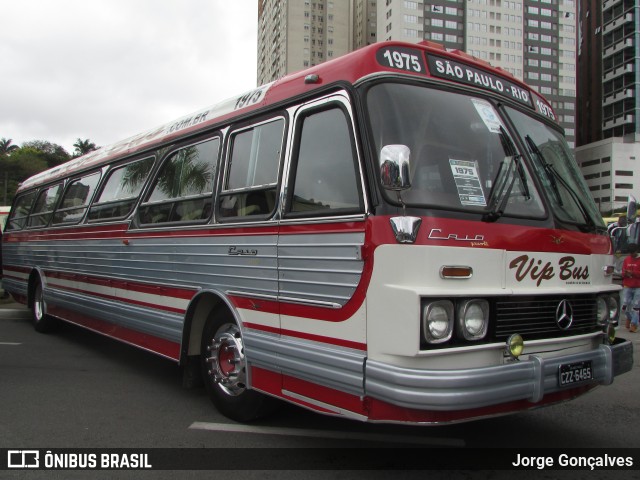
[224, 370]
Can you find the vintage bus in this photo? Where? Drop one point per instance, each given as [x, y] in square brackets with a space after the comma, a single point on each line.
[398, 235]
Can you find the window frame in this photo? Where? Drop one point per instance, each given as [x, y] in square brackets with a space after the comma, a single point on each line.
[307, 110]
[224, 171]
[106, 176]
[42, 189]
[68, 183]
[12, 218]
[154, 175]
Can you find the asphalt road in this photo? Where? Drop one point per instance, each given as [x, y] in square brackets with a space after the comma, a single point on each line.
[76, 389]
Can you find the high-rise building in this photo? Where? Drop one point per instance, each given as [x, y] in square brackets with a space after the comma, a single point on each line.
[620, 65]
[609, 109]
[535, 40]
[297, 34]
[589, 72]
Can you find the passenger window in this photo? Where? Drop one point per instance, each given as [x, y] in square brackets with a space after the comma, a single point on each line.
[121, 190]
[250, 185]
[325, 175]
[43, 208]
[76, 199]
[182, 191]
[18, 217]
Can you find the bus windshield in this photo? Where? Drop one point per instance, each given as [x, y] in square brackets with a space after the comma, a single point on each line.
[558, 172]
[462, 157]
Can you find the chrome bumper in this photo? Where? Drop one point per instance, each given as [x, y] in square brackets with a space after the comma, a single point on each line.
[480, 387]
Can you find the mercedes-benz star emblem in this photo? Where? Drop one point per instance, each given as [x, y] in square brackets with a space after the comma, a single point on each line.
[564, 315]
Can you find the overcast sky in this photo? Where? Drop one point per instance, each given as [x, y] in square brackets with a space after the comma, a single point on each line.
[108, 69]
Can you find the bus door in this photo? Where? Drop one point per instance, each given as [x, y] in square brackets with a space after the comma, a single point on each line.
[320, 263]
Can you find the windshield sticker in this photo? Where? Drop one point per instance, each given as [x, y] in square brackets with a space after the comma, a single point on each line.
[465, 174]
[488, 114]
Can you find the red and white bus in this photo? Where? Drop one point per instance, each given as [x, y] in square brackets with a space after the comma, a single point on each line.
[397, 235]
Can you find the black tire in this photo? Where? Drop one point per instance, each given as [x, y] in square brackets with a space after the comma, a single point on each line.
[42, 322]
[224, 371]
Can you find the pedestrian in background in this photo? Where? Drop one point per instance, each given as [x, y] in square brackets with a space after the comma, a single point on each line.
[631, 284]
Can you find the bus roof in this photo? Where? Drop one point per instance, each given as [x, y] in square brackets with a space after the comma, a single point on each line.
[424, 59]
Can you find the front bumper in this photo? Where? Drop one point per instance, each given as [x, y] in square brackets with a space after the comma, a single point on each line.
[450, 390]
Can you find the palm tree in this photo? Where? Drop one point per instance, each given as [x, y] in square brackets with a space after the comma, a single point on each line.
[6, 148]
[83, 147]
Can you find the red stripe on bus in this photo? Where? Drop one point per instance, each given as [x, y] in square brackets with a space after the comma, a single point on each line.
[146, 341]
[16, 269]
[129, 285]
[448, 232]
[383, 411]
[308, 336]
[118, 299]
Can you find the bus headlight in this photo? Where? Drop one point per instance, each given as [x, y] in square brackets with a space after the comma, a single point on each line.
[607, 309]
[602, 312]
[614, 308]
[437, 322]
[473, 319]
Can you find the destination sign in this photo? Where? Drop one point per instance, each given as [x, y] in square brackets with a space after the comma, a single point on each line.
[459, 72]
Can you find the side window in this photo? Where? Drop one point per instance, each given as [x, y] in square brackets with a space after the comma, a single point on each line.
[18, 216]
[76, 199]
[182, 191]
[121, 190]
[43, 208]
[324, 175]
[250, 184]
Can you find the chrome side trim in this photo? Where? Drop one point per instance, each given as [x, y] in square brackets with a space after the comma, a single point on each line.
[154, 322]
[336, 367]
[332, 408]
[312, 303]
[449, 390]
[16, 287]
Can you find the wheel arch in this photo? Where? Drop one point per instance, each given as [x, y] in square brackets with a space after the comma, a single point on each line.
[200, 308]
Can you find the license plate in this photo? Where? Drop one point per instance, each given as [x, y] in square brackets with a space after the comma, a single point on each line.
[578, 372]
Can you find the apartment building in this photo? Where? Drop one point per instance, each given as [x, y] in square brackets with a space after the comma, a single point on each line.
[609, 72]
[535, 40]
[297, 34]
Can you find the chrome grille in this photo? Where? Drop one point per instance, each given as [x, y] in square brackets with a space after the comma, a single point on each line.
[535, 317]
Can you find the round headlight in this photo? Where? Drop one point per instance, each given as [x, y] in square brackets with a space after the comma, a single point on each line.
[438, 321]
[602, 313]
[614, 308]
[473, 319]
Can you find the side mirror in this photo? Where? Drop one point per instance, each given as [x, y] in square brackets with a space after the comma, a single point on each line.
[632, 209]
[394, 167]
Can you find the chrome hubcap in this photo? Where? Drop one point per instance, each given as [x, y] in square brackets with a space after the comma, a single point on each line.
[226, 361]
[38, 304]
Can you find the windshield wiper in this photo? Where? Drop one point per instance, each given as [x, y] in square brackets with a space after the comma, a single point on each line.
[549, 170]
[502, 189]
[553, 175]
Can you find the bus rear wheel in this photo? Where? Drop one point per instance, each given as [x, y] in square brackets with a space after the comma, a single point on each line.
[42, 322]
[224, 369]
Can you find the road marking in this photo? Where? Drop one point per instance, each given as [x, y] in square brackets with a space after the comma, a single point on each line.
[10, 343]
[297, 432]
[14, 314]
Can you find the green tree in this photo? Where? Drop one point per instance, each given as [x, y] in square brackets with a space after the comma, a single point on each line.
[6, 147]
[82, 147]
[6, 170]
[17, 167]
[54, 154]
